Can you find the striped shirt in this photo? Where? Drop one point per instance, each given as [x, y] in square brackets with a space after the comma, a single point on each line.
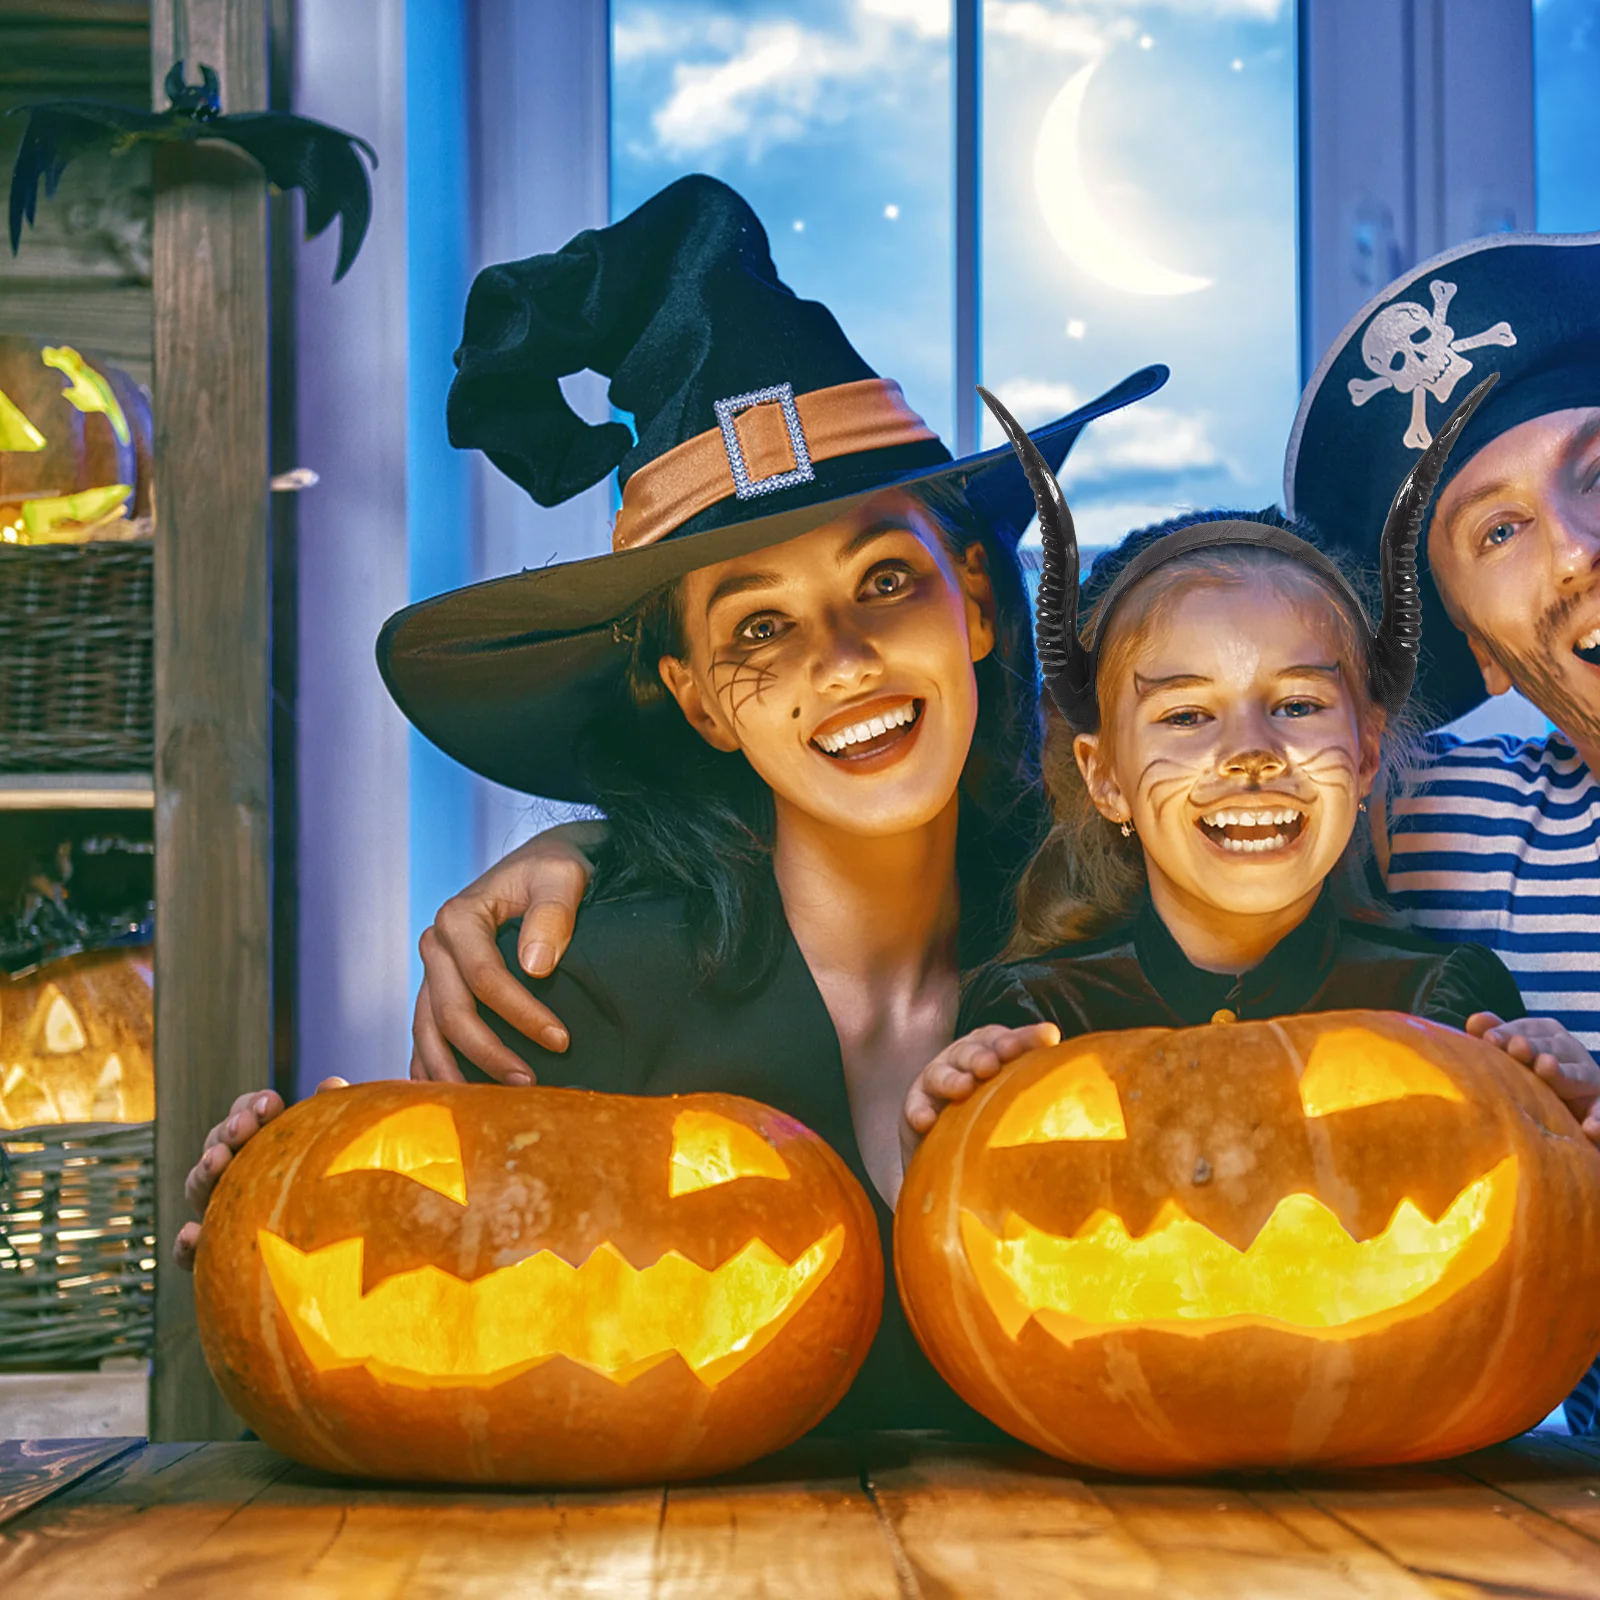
[1499, 843]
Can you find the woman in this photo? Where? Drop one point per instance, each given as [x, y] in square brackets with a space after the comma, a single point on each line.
[813, 732]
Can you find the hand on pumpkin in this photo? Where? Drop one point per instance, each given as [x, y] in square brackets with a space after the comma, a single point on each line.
[959, 1068]
[542, 882]
[1544, 1046]
[250, 1113]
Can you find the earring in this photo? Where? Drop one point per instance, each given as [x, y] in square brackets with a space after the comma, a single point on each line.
[1127, 828]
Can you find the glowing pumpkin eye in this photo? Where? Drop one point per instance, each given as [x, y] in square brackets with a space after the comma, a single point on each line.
[63, 1032]
[1351, 1068]
[708, 1150]
[1076, 1101]
[419, 1142]
[16, 432]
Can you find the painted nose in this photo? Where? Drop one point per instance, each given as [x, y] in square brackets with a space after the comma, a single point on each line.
[1254, 765]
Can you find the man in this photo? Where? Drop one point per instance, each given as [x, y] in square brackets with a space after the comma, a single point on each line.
[1499, 841]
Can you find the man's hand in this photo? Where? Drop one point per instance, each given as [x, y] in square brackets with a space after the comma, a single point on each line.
[959, 1068]
[1544, 1046]
[250, 1114]
[542, 882]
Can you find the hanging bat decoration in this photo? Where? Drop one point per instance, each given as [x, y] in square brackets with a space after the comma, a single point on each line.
[295, 152]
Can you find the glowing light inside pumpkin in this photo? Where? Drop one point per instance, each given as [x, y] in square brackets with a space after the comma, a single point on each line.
[16, 432]
[87, 391]
[63, 1032]
[1076, 1101]
[1351, 1068]
[1302, 1270]
[419, 1142]
[429, 1329]
[47, 513]
[708, 1150]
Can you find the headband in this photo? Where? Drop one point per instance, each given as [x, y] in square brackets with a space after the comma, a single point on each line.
[1071, 667]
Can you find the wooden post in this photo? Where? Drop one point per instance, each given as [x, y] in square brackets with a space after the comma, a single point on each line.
[213, 816]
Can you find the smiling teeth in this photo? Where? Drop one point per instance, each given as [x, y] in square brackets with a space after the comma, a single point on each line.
[860, 732]
[1590, 640]
[1249, 819]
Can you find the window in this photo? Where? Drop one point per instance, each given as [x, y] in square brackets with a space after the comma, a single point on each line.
[1139, 203]
[1566, 111]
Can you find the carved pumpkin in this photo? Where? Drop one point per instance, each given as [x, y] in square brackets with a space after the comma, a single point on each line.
[74, 443]
[469, 1283]
[75, 1042]
[1348, 1238]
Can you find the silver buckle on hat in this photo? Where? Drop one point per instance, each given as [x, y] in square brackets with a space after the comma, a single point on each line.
[746, 487]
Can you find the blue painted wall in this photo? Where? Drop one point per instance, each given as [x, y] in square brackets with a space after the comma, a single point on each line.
[439, 499]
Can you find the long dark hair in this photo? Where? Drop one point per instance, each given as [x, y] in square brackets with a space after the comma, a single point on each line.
[695, 823]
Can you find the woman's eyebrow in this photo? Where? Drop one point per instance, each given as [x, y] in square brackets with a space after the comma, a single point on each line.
[1313, 669]
[741, 583]
[870, 535]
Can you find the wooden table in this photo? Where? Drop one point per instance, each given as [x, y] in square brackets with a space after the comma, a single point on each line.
[885, 1519]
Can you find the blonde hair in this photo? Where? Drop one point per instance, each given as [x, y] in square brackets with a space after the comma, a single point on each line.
[1087, 877]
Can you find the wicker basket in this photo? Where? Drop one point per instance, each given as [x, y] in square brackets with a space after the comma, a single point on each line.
[77, 1244]
[76, 658]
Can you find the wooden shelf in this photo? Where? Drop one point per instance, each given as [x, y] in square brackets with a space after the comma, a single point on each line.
[76, 791]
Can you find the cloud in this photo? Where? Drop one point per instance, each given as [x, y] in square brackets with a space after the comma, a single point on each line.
[1080, 31]
[930, 19]
[1145, 439]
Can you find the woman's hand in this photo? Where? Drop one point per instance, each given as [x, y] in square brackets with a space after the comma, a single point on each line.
[959, 1068]
[1544, 1046]
[250, 1114]
[542, 882]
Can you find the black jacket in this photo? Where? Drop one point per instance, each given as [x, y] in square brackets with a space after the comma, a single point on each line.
[1138, 977]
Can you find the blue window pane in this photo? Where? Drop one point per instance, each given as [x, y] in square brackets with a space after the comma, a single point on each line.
[833, 120]
[1566, 105]
[1139, 205]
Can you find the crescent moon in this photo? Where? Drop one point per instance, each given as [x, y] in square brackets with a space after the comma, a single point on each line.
[1076, 223]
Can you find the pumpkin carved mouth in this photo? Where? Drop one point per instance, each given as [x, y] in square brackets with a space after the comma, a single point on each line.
[1302, 1271]
[428, 1327]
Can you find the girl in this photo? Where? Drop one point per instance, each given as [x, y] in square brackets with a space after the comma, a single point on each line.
[1226, 723]
[814, 733]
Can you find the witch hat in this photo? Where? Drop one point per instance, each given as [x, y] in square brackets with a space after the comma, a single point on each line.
[755, 421]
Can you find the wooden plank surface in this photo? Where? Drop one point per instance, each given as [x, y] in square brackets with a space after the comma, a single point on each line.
[33, 1469]
[797, 1526]
[900, 1520]
[213, 813]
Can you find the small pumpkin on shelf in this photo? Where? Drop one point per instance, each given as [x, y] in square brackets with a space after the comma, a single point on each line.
[76, 1042]
[1350, 1238]
[546, 1286]
[75, 446]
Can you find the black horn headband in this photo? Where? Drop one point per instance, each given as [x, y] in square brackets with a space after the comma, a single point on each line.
[1070, 666]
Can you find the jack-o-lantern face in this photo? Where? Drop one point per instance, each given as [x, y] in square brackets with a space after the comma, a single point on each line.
[1258, 1243]
[74, 444]
[535, 1285]
[75, 1042]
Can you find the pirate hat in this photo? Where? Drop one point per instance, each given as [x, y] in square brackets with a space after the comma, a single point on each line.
[1525, 306]
[755, 421]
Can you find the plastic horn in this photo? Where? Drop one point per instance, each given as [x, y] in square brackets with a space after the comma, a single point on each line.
[1399, 637]
[1067, 667]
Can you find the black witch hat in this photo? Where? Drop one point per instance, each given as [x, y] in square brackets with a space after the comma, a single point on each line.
[1071, 664]
[755, 421]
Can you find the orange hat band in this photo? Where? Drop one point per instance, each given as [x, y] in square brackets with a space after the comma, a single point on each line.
[767, 440]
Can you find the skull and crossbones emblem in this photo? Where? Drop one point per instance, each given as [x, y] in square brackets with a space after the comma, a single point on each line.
[1418, 354]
